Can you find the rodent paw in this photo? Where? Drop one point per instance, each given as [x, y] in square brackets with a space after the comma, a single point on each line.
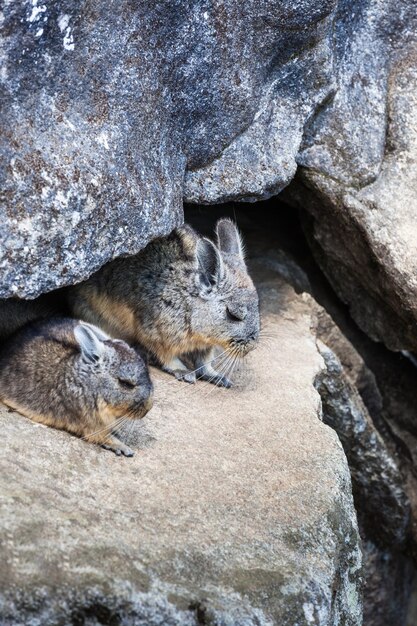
[187, 377]
[217, 379]
[222, 381]
[119, 449]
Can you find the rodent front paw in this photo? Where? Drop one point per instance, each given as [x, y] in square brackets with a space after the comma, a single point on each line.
[217, 379]
[187, 377]
[222, 381]
[119, 449]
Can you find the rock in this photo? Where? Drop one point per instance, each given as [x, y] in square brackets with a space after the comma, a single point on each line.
[353, 404]
[386, 384]
[389, 577]
[367, 392]
[378, 485]
[262, 160]
[236, 509]
[82, 91]
[358, 178]
[106, 106]
[115, 112]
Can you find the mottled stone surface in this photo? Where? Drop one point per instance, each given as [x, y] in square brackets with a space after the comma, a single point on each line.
[389, 577]
[368, 397]
[358, 175]
[236, 509]
[113, 111]
[378, 484]
[105, 105]
[262, 160]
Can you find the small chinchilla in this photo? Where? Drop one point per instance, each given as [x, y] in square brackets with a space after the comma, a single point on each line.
[70, 375]
[179, 298]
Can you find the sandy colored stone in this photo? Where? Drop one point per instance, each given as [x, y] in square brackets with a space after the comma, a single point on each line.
[235, 510]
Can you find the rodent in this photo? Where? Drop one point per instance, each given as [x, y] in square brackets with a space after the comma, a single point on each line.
[15, 313]
[178, 298]
[70, 375]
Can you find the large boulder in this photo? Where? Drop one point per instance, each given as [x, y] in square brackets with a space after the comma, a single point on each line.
[236, 509]
[368, 398]
[378, 484]
[113, 112]
[105, 105]
[358, 175]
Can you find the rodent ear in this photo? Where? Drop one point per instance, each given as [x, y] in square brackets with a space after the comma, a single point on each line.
[90, 342]
[229, 239]
[188, 239]
[210, 261]
[100, 334]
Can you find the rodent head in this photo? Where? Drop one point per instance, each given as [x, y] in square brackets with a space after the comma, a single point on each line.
[227, 306]
[114, 372]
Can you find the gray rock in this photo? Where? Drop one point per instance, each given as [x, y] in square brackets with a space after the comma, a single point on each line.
[106, 105]
[386, 382]
[114, 111]
[364, 406]
[236, 509]
[378, 484]
[389, 576]
[358, 176]
[262, 160]
[90, 166]
[103, 108]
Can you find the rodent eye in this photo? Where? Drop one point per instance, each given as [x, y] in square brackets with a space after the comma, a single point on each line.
[126, 384]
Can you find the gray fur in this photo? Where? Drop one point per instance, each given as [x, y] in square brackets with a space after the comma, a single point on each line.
[69, 375]
[228, 238]
[179, 298]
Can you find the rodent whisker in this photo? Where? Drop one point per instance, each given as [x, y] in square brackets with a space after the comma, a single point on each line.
[109, 427]
[219, 360]
[129, 419]
[210, 361]
[216, 372]
[129, 428]
[262, 338]
[223, 362]
[265, 346]
[220, 366]
[181, 387]
[225, 370]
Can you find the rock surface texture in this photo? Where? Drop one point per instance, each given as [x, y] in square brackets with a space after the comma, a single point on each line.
[358, 172]
[236, 509]
[107, 108]
[106, 105]
[368, 398]
[112, 113]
